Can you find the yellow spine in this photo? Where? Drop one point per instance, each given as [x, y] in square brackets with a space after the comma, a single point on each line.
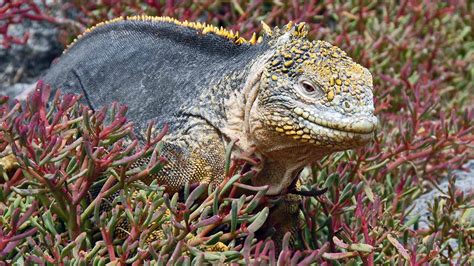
[201, 27]
[300, 30]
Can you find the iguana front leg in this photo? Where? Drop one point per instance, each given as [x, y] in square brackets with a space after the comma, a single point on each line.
[196, 157]
[283, 218]
[188, 165]
[285, 215]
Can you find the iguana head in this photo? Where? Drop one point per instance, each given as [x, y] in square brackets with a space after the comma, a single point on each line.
[312, 100]
[313, 93]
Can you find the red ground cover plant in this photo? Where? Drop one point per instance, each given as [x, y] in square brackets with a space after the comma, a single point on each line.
[421, 55]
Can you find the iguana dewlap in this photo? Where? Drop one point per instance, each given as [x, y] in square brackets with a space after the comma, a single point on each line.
[293, 99]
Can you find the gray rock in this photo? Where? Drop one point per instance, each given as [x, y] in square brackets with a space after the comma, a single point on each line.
[18, 91]
[25, 63]
[464, 182]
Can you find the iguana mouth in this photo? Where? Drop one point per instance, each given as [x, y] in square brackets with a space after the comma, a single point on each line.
[357, 126]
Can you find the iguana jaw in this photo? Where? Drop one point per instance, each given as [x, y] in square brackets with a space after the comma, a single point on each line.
[353, 125]
[320, 130]
[284, 155]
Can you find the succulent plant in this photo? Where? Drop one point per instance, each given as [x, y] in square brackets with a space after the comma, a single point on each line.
[421, 56]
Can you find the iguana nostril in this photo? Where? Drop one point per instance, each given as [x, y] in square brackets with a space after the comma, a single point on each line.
[347, 105]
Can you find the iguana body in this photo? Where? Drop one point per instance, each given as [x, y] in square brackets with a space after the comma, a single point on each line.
[294, 100]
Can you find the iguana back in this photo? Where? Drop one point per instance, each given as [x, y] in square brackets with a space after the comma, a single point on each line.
[153, 66]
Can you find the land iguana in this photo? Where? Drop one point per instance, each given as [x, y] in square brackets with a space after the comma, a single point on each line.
[293, 100]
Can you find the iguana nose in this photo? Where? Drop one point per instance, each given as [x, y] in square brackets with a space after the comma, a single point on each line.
[364, 125]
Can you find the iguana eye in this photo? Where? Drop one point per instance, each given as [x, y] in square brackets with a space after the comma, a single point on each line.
[308, 89]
